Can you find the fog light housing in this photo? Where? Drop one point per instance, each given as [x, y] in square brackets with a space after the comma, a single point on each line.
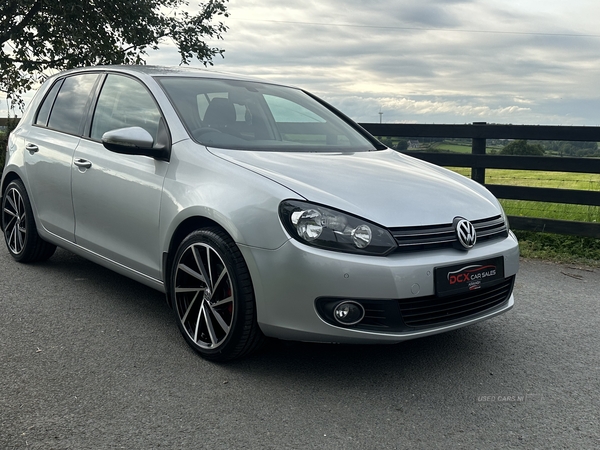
[348, 313]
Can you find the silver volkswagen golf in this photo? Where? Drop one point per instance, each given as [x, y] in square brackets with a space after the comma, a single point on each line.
[259, 209]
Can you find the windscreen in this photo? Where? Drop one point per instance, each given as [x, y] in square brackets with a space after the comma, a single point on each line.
[244, 115]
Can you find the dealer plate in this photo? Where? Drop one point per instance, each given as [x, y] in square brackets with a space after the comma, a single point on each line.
[468, 277]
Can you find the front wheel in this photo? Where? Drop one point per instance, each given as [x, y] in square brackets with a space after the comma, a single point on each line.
[18, 224]
[213, 297]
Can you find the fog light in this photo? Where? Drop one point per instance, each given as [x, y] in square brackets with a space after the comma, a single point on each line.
[348, 313]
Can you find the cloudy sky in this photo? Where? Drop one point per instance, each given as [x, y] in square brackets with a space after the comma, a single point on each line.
[424, 61]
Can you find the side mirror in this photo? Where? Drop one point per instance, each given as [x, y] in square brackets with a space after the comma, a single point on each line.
[133, 141]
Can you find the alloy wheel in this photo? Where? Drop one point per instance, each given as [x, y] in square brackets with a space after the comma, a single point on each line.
[204, 297]
[14, 219]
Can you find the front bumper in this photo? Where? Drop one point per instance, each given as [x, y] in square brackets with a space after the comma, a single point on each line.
[289, 280]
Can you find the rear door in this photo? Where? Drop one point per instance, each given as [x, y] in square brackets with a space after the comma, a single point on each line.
[50, 144]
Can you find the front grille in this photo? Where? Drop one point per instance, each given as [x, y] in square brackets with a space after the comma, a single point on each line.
[442, 236]
[374, 315]
[428, 311]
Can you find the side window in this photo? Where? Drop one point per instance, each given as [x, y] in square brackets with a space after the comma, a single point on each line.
[124, 102]
[44, 111]
[70, 106]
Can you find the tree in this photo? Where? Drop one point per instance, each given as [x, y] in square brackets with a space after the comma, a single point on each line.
[10, 125]
[574, 148]
[39, 35]
[402, 145]
[386, 141]
[521, 147]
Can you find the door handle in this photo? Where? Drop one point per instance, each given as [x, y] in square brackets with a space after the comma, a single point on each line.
[83, 163]
[31, 148]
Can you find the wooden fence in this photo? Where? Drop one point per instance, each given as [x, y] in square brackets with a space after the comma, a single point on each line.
[478, 161]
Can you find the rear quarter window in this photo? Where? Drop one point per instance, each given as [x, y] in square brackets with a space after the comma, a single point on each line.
[44, 111]
[71, 105]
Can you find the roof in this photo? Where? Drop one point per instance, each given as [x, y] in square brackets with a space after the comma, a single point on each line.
[154, 71]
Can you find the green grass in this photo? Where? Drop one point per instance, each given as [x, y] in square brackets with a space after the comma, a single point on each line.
[559, 180]
[455, 148]
[536, 178]
[559, 248]
[558, 211]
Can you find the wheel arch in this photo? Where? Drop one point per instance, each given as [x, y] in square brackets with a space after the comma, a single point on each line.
[8, 178]
[29, 247]
[186, 227]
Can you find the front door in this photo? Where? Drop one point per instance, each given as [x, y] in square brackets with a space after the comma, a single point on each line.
[116, 198]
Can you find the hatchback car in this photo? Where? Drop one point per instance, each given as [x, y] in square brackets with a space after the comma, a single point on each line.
[259, 209]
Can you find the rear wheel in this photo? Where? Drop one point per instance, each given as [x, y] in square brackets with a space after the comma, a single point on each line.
[213, 297]
[18, 224]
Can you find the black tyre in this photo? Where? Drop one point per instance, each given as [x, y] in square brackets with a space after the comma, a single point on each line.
[213, 297]
[18, 224]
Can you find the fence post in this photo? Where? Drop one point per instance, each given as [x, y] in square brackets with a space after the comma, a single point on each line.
[478, 148]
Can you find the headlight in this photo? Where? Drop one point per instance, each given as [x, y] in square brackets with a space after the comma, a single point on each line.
[327, 228]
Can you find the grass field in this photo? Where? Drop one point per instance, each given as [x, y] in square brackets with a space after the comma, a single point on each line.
[454, 148]
[561, 248]
[535, 178]
[569, 249]
[457, 147]
[559, 180]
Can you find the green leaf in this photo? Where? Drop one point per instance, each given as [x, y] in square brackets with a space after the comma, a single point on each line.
[39, 37]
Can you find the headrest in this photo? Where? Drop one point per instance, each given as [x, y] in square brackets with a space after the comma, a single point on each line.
[220, 113]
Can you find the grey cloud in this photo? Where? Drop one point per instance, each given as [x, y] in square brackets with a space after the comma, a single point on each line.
[421, 60]
[424, 61]
[428, 16]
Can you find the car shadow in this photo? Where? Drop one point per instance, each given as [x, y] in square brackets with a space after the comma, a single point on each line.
[470, 352]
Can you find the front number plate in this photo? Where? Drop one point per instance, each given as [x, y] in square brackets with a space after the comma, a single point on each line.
[468, 277]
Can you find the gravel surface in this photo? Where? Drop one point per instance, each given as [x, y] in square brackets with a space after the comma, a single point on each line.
[92, 360]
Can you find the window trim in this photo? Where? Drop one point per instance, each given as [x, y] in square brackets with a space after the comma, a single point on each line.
[86, 108]
[87, 135]
[98, 91]
[47, 96]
